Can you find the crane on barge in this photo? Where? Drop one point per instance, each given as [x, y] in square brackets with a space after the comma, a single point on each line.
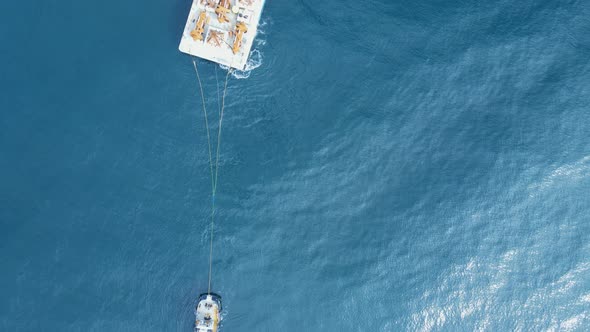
[197, 33]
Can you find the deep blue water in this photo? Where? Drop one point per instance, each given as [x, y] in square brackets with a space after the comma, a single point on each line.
[389, 165]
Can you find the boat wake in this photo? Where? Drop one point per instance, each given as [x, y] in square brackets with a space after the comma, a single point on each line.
[254, 61]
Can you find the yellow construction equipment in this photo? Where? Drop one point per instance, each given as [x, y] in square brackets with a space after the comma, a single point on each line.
[241, 29]
[215, 38]
[209, 3]
[197, 33]
[221, 11]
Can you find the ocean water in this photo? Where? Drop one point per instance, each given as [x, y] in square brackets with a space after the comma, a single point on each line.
[387, 166]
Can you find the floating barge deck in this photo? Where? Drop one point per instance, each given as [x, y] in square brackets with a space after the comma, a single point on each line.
[222, 31]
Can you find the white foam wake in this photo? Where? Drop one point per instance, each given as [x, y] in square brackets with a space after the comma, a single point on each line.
[254, 61]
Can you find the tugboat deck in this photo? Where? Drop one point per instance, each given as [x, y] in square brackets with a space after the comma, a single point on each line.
[207, 313]
[222, 31]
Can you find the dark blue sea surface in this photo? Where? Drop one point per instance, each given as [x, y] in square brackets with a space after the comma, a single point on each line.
[385, 166]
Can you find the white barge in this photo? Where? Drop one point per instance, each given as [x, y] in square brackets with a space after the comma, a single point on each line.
[222, 31]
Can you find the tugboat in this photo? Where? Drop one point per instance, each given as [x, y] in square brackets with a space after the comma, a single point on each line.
[207, 313]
